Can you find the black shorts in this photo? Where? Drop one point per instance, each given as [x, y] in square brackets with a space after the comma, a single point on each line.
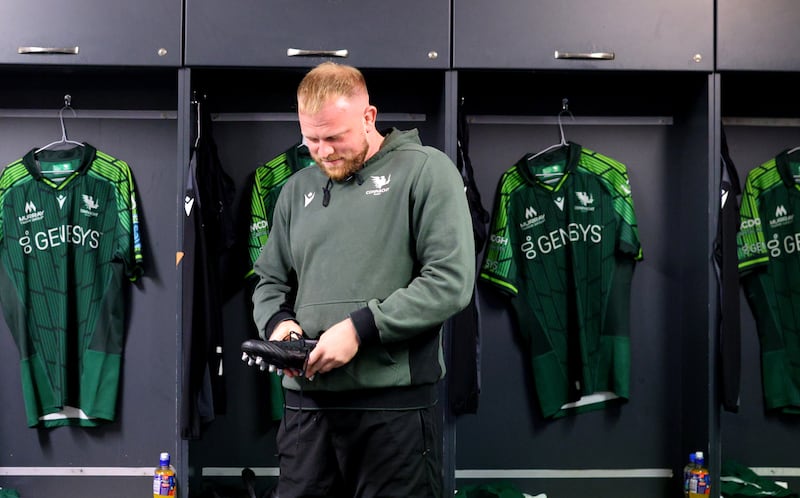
[360, 454]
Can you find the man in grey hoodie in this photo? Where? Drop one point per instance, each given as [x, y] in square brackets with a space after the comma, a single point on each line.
[370, 253]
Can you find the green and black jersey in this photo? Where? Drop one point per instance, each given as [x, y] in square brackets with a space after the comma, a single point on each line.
[769, 264]
[268, 181]
[68, 239]
[563, 243]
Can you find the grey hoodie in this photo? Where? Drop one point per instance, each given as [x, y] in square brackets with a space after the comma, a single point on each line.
[392, 248]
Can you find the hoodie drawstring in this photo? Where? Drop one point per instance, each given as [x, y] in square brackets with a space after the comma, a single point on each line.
[326, 193]
[326, 190]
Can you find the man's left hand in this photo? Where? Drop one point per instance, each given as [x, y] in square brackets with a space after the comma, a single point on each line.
[335, 347]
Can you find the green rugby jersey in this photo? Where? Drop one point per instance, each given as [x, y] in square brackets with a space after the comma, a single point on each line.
[769, 264]
[563, 243]
[267, 184]
[68, 239]
[268, 181]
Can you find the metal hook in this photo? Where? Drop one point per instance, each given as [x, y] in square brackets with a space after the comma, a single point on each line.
[67, 105]
[564, 109]
[64, 139]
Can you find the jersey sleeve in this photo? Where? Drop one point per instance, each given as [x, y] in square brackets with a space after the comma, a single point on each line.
[499, 268]
[129, 240]
[259, 224]
[628, 235]
[615, 176]
[751, 246]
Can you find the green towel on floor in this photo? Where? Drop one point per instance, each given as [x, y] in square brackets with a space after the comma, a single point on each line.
[496, 490]
[738, 481]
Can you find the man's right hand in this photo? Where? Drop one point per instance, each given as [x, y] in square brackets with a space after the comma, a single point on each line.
[285, 329]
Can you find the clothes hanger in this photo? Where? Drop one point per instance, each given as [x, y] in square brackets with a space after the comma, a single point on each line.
[64, 140]
[198, 118]
[563, 142]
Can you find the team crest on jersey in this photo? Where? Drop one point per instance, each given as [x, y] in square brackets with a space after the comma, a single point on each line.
[90, 206]
[586, 200]
[380, 183]
[32, 213]
[782, 217]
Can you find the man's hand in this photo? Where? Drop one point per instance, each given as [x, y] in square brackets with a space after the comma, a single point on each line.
[283, 329]
[335, 347]
[282, 332]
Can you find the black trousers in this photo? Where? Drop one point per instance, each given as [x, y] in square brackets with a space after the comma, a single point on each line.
[360, 454]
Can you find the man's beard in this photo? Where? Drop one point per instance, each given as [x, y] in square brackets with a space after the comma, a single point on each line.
[348, 167]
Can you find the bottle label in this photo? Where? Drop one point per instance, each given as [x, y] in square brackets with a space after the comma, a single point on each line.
[163, 485]
[699, 483]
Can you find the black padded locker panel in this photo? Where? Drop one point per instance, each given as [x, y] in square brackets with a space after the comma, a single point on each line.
[656, 124]
[757, 130]
[115, 459]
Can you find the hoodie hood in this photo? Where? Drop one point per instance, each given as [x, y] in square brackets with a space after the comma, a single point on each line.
[393, 139]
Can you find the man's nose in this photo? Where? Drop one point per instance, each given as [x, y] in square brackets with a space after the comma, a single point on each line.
[325, 150]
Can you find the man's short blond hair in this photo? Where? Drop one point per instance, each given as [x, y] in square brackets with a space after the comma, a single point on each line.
[328, 80]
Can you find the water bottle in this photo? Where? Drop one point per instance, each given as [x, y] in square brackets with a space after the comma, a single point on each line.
[687, 469]
[699, 479]
[164, 477]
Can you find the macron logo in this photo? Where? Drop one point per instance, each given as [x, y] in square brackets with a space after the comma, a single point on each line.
[308, 198]
[188, 203]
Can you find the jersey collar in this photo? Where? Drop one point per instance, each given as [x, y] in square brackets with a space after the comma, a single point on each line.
[570, 153]
[782, 163]
[85, 153]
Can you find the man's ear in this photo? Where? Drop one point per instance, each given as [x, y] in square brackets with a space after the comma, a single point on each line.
[370, 115]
